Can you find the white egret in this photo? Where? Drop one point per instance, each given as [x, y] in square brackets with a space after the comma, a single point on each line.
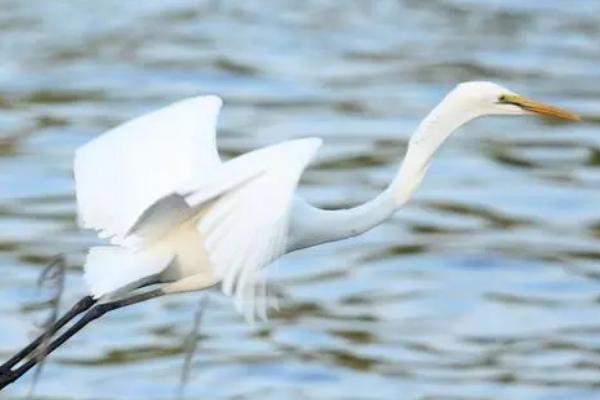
[179, 217]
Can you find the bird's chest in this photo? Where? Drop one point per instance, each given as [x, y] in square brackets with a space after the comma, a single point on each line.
[189, 249]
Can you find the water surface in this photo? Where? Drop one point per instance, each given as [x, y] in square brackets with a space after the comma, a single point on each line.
[484, 287]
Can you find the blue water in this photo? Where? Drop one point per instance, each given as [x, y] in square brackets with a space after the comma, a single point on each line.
[486, 286]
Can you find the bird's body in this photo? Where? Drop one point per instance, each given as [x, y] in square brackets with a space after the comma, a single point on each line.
[196, 222]
[179, 216]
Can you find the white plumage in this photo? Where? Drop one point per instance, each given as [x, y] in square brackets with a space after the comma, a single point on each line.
[148, 199]
[122, 172]
[178, 216]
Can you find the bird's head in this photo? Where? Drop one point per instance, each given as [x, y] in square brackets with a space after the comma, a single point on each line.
[467, 101]
[488, 98]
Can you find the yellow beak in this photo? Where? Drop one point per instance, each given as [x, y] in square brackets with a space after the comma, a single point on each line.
[539, 108]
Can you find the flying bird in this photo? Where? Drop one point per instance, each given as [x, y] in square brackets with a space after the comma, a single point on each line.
[178, 217]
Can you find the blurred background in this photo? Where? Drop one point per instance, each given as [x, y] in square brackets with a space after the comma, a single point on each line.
[486, 286]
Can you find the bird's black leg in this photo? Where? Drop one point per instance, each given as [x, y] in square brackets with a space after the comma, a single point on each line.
[92, 314]
[82, 305]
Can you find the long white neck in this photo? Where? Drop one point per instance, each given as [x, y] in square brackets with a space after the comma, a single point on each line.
[311, 226]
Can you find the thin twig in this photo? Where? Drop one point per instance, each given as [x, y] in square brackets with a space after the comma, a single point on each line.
[190, 346]
[53, 278]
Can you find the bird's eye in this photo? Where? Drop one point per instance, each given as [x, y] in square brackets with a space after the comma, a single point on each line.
[502, 98]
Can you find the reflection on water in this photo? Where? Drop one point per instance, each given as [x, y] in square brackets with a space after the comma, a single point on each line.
[484, 287]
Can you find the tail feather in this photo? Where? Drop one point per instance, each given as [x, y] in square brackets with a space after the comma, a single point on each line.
[110, 268]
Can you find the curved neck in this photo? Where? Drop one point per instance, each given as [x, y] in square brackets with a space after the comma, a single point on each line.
[311, 226]
[449, 115]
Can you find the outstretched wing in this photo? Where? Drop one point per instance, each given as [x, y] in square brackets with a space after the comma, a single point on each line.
[246, 226]
[122, 172]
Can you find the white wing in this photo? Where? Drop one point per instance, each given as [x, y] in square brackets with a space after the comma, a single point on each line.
[246, 228]
[124, 171]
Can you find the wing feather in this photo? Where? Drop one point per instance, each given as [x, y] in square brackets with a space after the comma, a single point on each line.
[141, 177]
[122, 172]
[246, 228]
